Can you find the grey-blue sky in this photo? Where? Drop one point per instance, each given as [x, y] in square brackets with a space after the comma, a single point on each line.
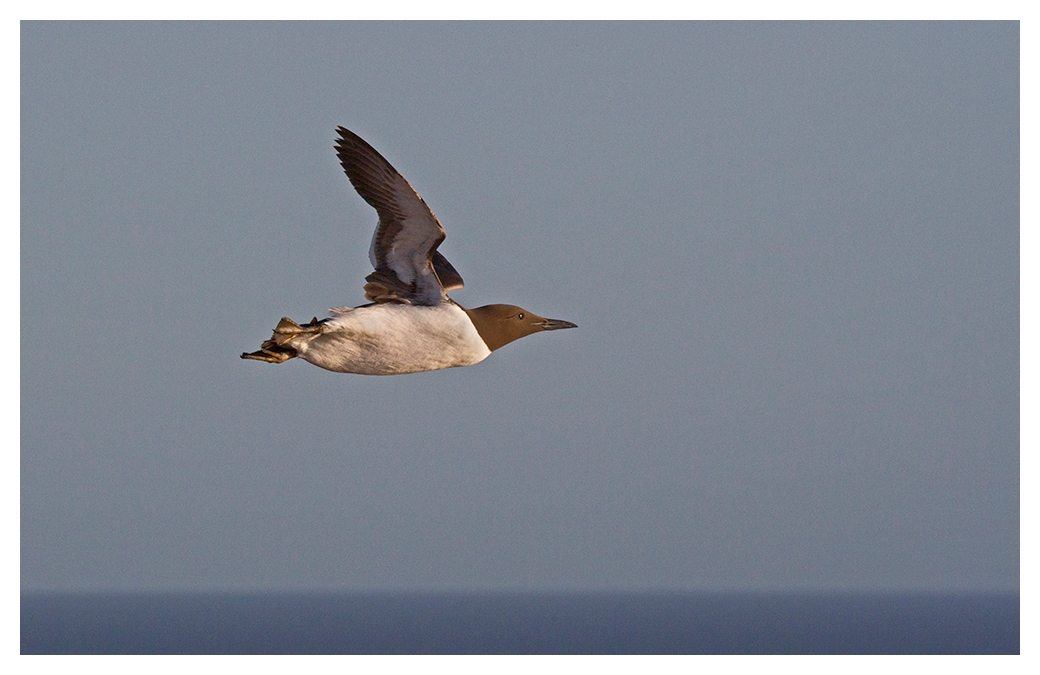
[791, 249]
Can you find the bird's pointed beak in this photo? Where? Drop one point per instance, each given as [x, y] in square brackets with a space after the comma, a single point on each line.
[555, 324]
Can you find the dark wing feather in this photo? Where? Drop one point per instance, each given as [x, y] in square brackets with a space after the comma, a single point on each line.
[404, 246]
[450, 279]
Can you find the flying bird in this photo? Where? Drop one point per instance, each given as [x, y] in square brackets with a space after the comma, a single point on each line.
[410, 325]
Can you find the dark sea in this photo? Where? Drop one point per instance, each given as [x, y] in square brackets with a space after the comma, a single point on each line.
[519, 624]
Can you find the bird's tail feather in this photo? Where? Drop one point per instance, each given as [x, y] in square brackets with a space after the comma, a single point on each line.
[277, 349]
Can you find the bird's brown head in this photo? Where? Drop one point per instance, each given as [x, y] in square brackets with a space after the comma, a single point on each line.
[499, 325]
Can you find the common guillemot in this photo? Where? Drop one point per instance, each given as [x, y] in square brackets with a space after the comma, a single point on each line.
[411, 325]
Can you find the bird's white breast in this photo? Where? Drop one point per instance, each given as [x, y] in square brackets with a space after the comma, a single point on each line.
[390, 339]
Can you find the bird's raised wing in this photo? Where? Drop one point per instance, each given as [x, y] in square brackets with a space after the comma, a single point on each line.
[408, 267]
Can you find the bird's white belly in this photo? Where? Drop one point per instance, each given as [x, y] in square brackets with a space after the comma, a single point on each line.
[392, 339]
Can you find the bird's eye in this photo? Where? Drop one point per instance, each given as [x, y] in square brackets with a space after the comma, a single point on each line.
[520, 315]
